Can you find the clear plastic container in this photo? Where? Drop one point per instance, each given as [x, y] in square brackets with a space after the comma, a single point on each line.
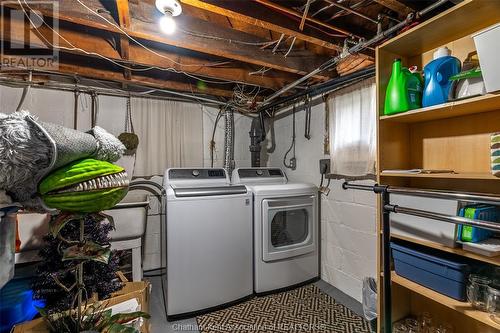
[493, 303]
[477, 291]
[426, 322]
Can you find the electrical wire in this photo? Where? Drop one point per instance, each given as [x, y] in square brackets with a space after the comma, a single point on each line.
[148, 68]
[197, 34]
[291, 47]
[132, 38]
[239, 97]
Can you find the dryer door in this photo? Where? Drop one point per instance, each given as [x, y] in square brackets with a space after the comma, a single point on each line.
[288, 227]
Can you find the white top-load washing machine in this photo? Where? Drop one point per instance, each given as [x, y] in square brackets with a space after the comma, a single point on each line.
[209, 241]
[286, 227]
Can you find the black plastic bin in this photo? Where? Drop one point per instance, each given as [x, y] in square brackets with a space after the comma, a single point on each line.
[442, 272]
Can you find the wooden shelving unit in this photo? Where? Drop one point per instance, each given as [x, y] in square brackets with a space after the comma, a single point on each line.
[480, 176]
[461, 307]
[457, 108]
[453, 136]
[459, 251]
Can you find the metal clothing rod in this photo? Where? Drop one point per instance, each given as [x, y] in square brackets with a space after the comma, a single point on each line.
[451, 195]
[443, 217]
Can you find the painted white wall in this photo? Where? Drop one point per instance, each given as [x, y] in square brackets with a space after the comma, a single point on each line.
[57, 107]
[348, 227]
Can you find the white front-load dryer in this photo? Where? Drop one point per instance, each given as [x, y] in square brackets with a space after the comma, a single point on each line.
[285, 229]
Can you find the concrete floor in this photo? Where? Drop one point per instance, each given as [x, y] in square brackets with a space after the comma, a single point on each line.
[159, 323]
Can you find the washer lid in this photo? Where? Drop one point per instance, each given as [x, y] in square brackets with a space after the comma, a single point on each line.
[284, 190]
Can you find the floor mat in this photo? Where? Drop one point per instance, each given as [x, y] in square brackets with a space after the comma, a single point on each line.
[305, 309]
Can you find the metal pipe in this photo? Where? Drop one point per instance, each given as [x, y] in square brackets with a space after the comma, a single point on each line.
[350, 10]
[386, 255]
[493, 226]
[431, 7]
[492, 199]
[452, 195]
[354, 49]
[325, 87]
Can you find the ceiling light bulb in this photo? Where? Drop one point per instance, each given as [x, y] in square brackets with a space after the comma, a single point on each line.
[167, 24]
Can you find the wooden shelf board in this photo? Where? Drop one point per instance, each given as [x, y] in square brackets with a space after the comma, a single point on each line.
[479, 104]
[459, 21]
[458, 251]
[462, 307]
[478, 176]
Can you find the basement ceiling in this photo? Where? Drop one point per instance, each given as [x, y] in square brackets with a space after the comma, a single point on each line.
[251, 47]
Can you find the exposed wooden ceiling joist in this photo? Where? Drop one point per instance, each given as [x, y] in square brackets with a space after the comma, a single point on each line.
[138, 56]
[220, 45]
[253, 13]
[124, 22]
[90, 71]
[397, 6]
[287, 10]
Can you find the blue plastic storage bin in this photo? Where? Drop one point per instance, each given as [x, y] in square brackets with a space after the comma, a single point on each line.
[446, 274]
[17, 304]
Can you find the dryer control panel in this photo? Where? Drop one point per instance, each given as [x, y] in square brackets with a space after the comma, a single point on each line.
[259, 175]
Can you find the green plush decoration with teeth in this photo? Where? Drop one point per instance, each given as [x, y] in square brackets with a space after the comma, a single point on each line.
[84, 186]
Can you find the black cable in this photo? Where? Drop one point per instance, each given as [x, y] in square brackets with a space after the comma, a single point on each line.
[291, 164]
[154, 269]
[153, 275]
[307, 108]
[322, 179]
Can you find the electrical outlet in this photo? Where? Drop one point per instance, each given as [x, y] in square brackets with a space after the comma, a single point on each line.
[324, 166]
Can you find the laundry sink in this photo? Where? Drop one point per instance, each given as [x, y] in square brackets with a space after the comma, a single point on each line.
[129, 217]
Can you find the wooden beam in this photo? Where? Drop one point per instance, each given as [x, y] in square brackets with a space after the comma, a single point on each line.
[221, 45]
[400, 8]
[90, 71]
[124, 22]
[138, 56]
[250, 12]
[292, 12]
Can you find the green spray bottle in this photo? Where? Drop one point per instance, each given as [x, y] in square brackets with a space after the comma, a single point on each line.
[404, 91]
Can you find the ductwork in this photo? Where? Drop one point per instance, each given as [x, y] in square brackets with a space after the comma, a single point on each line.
[229, 141]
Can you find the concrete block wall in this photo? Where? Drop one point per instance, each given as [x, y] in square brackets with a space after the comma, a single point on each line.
[348, 227]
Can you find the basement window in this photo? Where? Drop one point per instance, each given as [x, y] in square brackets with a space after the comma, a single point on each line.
[353, 130]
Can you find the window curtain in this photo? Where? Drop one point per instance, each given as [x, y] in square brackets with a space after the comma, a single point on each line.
[353, 130]
[170, 135]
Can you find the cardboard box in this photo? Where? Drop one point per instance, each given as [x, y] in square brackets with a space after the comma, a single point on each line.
[140, 291]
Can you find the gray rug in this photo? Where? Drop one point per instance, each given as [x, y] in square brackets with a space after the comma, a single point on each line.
[305, 309]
